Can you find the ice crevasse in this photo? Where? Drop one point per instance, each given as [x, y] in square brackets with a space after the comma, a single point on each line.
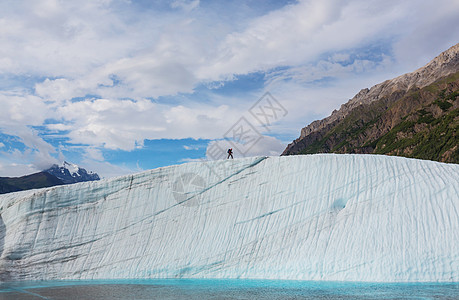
[311, 217]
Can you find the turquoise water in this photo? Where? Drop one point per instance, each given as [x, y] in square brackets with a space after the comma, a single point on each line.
[224, 289]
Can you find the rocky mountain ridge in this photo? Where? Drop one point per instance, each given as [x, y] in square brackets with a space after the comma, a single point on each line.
[377, 106]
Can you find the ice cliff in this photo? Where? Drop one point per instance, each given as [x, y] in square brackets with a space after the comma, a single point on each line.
[313, 217]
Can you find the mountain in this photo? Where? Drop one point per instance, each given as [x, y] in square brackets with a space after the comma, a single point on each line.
[67, 173]
[414, 115]
[70, 173]
[308, 217]
[33, 181]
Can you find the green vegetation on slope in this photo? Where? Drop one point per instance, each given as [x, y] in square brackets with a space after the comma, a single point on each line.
[422, 123]
[435, 138]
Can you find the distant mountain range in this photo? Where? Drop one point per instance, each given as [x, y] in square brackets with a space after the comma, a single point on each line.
[67, 173]
[34, 181]
[414, 115]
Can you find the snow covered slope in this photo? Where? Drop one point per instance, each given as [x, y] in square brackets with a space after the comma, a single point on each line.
[314, 217]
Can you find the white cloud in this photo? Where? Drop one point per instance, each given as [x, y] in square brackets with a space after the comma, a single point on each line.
[8, 169]
[186, 147]
[52, 38]
[125, 124]
[94, 153]
[300, 33]
[85, 44]
[60, 89]
[89, 48]
[430, 28]
[18, 113]
[184, 51]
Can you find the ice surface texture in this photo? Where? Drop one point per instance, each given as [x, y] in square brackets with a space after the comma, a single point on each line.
[312, 217]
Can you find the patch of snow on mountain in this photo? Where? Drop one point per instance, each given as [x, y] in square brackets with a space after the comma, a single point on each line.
[73, 169]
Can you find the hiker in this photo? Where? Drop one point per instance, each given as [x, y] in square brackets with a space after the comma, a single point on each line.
[230, 153]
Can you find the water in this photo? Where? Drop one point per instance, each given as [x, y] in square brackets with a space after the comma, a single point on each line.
[224, 289]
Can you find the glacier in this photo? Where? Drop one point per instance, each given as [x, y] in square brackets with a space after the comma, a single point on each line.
[310, 217]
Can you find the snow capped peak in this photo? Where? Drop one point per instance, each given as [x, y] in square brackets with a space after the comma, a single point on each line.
[71, 173]
[73, 169]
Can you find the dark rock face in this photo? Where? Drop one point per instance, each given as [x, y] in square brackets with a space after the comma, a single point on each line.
[413, 115]
[33, 181]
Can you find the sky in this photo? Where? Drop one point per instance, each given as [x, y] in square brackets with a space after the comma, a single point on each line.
[119, 86]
